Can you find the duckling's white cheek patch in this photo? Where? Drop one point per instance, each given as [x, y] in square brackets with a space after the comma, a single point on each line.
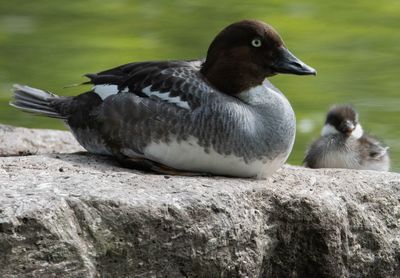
[105, 90]
[357, 132]
[166, 97]
[328, 129]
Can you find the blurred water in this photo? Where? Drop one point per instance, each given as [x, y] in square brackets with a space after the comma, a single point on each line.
[354, 45]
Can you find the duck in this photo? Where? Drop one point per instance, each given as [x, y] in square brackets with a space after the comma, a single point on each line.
[343, 144]
[214, 116]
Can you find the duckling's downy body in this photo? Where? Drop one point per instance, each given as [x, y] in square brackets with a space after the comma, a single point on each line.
[218, 116]
[343, 144]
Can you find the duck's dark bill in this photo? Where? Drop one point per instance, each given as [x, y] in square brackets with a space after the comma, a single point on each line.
[288, 63]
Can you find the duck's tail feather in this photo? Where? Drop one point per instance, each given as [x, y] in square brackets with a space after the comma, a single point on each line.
[35, 101]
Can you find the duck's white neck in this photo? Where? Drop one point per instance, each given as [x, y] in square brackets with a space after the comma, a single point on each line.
[260, 94]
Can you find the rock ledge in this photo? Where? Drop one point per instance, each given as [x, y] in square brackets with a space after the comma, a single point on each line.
[79, 215]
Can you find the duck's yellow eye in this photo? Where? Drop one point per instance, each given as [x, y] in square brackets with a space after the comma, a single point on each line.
[256, 42]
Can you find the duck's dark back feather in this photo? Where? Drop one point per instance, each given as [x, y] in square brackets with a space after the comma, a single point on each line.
[122, 75]
[172, 78]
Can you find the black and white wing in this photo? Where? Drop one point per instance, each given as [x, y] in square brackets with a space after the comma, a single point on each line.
[148, 102]
[174, 82]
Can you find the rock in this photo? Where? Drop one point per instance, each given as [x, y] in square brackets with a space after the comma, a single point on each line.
[25, 141]
[79, 215]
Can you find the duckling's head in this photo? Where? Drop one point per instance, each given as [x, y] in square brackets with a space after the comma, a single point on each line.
[342, 119]
[246, 52]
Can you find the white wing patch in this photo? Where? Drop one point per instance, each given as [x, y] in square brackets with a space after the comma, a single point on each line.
[105, 90]
[166, 96]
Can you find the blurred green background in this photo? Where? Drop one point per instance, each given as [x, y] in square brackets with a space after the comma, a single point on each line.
[354, 45]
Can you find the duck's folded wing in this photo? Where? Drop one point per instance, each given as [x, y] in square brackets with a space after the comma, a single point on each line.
[175, 82]
[154, 102]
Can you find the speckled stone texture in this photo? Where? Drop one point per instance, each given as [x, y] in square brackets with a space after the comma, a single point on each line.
[26, 141]
[79, 215]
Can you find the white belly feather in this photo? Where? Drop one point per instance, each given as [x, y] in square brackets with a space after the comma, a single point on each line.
[189, 156]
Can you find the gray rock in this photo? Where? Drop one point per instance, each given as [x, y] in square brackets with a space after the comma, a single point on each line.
[25, 141]
[79, 215]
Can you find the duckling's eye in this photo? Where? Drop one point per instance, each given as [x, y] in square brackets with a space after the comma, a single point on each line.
[256, 42]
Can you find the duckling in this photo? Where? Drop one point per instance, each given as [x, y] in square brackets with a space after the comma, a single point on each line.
[343, 144]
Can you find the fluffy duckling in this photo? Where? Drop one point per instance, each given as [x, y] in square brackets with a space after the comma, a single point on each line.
[343, 144]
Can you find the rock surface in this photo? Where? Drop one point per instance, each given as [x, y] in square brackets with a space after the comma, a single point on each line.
[79, 215]
[26, 141]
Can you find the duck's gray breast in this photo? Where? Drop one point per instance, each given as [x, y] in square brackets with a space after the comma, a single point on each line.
[274, 122]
